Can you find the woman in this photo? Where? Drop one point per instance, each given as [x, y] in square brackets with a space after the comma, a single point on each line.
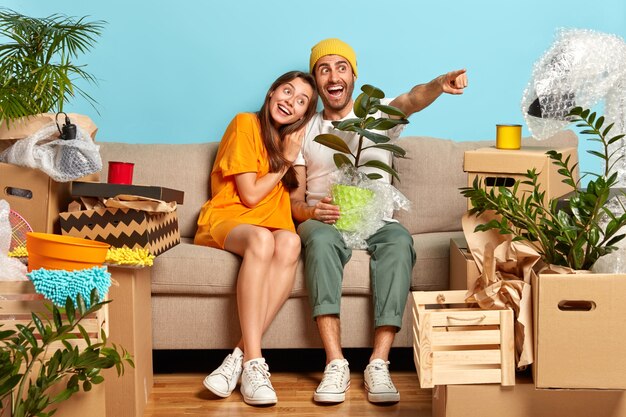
[249, 214]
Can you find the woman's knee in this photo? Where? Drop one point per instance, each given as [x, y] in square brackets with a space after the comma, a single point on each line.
[287, 246]
[260, 243]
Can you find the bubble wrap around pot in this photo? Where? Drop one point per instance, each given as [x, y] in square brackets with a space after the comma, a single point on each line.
[62, 160]
[10, 269]
[581, 68]
[379, 199]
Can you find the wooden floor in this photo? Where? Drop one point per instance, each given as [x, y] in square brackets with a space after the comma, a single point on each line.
[182, 394]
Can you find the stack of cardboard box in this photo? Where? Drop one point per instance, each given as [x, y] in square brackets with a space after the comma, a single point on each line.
[579, 322]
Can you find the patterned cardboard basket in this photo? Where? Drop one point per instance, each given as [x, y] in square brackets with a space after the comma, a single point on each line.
[124, 228]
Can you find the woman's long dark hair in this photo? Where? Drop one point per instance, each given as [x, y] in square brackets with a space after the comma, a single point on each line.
[273, 138]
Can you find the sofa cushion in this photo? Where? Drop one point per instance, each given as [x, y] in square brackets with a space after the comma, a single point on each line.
[432, 185]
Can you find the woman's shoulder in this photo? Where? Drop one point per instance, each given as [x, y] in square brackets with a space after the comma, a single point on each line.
[246, 120]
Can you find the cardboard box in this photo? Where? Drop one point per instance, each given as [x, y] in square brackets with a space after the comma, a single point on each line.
[124, 228]
[106, 190]
[523, 400]
[35, 196]
[458, 344]
[30, 192]
[463, 268]
[130, 315]
[580, 331]
[26, 126]
[499, 167]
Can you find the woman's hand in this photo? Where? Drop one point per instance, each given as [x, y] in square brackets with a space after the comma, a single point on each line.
[292, 144]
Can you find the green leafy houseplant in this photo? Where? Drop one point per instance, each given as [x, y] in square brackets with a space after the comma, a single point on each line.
[37, 62]
[365, 105]
[349, 195]
[27, 374]
[575, 232]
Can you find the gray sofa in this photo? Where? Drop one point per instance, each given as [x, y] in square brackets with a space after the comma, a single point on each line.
[193, 287]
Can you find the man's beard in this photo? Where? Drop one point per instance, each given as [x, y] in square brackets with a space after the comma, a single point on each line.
[338, 106]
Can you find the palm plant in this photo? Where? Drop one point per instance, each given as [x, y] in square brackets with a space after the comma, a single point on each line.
[37, 62]
[575, 233]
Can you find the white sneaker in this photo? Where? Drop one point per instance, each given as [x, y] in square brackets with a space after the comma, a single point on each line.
[256, 387]
[335, 382]
[223, 380]
[380, 388]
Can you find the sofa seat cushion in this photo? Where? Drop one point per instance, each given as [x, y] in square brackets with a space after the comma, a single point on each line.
[177, 271]
[200, 270]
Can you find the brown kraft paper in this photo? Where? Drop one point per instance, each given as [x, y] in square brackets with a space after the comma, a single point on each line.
[506, 270]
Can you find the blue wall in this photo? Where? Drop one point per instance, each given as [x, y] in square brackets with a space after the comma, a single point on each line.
[178, 71]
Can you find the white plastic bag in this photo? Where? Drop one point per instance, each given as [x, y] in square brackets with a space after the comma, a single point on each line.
[10, 269]
[63, 160]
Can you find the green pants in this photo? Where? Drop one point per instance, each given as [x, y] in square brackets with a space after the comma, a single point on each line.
[391, 263]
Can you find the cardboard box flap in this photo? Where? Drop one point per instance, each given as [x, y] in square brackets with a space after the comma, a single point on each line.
[503, 161]
[26, 126]
[106, 190]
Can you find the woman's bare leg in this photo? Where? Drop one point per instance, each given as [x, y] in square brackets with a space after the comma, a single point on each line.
[256, 246]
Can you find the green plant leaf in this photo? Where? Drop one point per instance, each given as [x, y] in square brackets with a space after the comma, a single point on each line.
[333, 142]
[374, 176]
[386, 124]
[395, 149]
[374, 137]
[345, 124]
[372, 91]
[341, 160]
[360, 105]
[391, 111]
[383, 167]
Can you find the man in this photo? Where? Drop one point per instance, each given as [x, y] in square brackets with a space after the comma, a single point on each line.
[333, 64]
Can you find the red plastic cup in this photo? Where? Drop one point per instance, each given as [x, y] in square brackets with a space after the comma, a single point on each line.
[120, 172]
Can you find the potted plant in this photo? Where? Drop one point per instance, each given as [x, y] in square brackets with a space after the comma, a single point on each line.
[28, 372]
[351, 191]
[38, 72]
[574, 232]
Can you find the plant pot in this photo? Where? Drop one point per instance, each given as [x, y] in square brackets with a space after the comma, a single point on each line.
[353, 203]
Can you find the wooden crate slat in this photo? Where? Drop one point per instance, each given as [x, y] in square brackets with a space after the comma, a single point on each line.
[18, 300]
[444, 376]
[465, 318]
[467, 357]
[478, 337]
[507, 348]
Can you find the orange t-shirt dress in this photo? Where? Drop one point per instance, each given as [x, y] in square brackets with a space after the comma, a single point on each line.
[241, 150]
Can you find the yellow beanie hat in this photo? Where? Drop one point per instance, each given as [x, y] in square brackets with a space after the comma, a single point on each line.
[333, 46]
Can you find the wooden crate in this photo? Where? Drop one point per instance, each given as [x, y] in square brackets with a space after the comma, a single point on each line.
[454, 343]
[18, 300]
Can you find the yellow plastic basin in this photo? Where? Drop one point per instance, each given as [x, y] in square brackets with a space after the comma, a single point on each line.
[51, 251]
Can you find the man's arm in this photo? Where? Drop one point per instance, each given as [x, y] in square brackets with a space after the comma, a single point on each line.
[301, 211]
[422, 95]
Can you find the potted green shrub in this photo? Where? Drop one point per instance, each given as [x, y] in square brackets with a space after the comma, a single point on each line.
[38, 72]
[349, 191]
[574, 232]
[28, 372]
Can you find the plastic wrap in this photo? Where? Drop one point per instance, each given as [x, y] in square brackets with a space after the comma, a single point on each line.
[365, 204]
[580, 68]
[63, 160]
[10, 269]
[614, 262]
